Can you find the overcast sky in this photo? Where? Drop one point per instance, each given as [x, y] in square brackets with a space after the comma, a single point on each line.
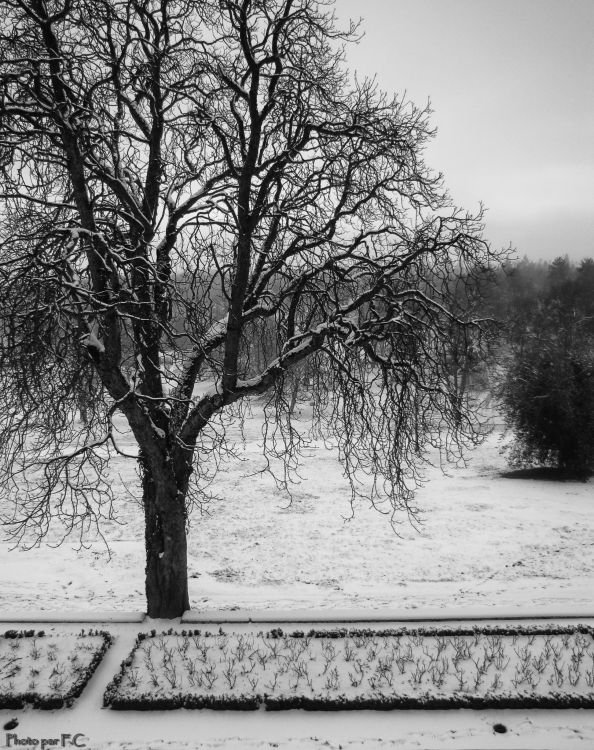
[511, 83]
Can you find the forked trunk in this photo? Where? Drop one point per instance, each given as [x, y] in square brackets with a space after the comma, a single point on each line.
[166, 548]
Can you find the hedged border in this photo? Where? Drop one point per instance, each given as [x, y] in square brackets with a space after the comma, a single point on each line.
[48, 702]
[396, 701]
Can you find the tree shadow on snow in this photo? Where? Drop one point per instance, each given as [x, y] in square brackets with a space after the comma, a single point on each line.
[548, 474]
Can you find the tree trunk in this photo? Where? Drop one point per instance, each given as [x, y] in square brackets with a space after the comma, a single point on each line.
[166, 547]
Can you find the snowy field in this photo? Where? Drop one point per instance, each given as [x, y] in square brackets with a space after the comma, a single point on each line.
[485, 540]
[516, 544]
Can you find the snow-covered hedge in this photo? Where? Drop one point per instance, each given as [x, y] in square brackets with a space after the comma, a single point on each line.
[47, 671]
[359, 668]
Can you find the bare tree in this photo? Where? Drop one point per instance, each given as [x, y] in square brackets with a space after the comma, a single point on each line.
[177, 175]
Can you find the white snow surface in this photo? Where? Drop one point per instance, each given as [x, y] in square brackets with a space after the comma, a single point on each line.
[486, 542]
[47, 665]
[92, 342]
[359, 666]
[288, 730]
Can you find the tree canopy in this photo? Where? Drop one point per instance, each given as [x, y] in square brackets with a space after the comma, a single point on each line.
[177, 179]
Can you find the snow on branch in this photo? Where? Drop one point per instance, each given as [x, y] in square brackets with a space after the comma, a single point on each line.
[90, 341]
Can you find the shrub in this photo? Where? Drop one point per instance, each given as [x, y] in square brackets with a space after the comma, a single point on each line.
[548, 399]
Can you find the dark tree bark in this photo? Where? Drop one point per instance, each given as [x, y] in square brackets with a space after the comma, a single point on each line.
[166, 546]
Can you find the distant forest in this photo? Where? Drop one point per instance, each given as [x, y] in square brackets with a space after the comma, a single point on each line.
[536, 297]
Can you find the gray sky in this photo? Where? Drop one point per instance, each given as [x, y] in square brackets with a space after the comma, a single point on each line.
[511, 83]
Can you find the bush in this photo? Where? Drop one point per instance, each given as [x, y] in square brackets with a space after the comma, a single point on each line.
[548, 399]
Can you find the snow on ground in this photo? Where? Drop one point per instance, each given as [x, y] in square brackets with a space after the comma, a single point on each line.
[484, 540]
[561, 729]
[356, 668]
[49, 665]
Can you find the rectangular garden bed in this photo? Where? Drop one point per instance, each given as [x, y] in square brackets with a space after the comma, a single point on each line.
[353, 669]
[47, 671]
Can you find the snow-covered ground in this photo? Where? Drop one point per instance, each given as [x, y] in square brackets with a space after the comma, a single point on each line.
[503, 544]
[104, 729]
[48, 666]
[485, 540]
[359, 668]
